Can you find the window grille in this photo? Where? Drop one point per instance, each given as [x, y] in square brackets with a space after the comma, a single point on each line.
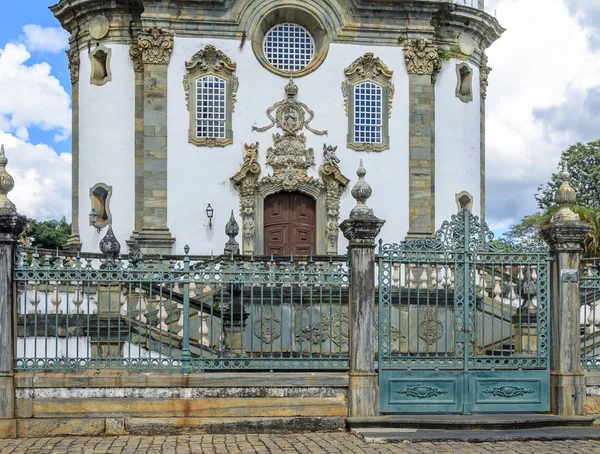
[368, 100]
[211, 117]
[288, 47]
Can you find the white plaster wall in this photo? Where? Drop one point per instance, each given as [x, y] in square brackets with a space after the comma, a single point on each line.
[457, 143]
[198, 176]
[106, 145]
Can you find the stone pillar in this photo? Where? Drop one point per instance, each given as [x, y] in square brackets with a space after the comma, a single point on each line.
[361, 229]
[11, 226]
[154, 47]
[74, 241]
[484, 71]
[138, 68]
[423, 64]
[565, 235]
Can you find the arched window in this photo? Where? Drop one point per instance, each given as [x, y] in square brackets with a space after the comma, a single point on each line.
[368, 123]
[368, 94]
[211, 107]
[210, 87]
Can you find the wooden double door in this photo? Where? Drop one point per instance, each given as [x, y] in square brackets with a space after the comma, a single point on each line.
[290, 224]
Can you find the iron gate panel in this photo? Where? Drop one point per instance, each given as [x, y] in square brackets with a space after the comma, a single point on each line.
[463, 323]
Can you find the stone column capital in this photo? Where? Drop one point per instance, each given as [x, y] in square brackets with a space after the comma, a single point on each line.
[155, 46]
[422, 58]
[566, 236]
[74, 62]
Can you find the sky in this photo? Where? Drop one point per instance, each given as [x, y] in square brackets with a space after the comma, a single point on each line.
[543, 95]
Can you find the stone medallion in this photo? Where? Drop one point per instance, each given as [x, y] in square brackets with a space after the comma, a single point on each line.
[99, 27]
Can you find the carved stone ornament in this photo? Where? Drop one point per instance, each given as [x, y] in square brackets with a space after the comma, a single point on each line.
[368, 68]
[6, 184]
[334, 327]
[484, 73]
[156, 46]
[73, 56]
[290, 159]
[110, 246]
[422, 58]
[210, 61]
[135, 54]
[232, 229]
[267, 328]
[430, 328]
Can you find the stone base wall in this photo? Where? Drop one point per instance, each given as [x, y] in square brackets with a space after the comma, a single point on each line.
[89, 403]
[592, 398]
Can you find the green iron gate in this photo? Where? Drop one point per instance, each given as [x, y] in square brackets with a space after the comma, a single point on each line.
[463, 323]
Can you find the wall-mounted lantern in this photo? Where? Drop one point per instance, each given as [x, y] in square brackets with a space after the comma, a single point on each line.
[209, 213]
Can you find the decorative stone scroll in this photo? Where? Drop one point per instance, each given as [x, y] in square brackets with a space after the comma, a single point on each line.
[73, 56]
[155, 46]
[422, 58]
[210, 61]
[290, 159]
[484, 73]
[135, 54]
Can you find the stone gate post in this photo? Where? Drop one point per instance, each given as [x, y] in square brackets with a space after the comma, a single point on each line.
[565, 235]
[360, 230]
[11, 226]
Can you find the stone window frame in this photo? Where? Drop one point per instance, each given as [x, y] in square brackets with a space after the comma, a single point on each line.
[368, 68]
[107, 52]
[210, 61]
[460, 67]
[95, 196]
[304, 15]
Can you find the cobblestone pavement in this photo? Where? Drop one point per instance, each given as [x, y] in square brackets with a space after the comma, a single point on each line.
[322, 443]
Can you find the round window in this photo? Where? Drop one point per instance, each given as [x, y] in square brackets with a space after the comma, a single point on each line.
[288, 47]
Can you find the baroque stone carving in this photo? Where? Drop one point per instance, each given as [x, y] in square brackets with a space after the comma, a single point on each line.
[290, 159]
[334, 326]
[363, 69]
[135, 54]
[232, 229]
[430, 328]
[6, 184]
[422, 392]
[245, 182]
[210, 61]
[508, 391]
[484, 73]
[156, 46]
[73, 56]
[422, 58]
[268, 328]
[110, 246]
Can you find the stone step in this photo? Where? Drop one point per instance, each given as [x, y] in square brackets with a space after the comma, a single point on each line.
[469, 422]
[392, 435]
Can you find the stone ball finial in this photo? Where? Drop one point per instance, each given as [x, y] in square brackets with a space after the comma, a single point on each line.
[361, 193]
[6, 183]
[565, 197]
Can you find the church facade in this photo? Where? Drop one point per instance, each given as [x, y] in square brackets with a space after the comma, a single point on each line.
[184, 111]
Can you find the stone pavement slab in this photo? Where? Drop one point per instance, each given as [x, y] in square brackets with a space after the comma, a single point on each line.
[306, 443]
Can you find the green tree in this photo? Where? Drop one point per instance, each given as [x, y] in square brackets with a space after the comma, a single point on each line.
[48, 234]
[591, 245]
[527, 232]
[583, 163]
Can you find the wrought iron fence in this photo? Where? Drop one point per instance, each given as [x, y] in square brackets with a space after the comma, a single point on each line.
[590, 314]
[180, 312]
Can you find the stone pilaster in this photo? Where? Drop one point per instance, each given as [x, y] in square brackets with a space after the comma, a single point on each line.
[423, 64]
[138, 68]
[11, 225]
[74, 241]
[565, 235]
[360, 230]
[154, 47]
[484, 72]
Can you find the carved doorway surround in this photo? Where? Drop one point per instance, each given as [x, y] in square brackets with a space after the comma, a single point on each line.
[290, 224]
[290, 159]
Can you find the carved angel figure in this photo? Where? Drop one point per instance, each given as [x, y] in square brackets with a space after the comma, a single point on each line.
[329, 156]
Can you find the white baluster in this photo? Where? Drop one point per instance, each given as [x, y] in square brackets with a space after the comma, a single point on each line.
[423, 277]
[395, 275]
[497, 291]
[78, 298]
[411, 276]
[55, 299]
[34, 299]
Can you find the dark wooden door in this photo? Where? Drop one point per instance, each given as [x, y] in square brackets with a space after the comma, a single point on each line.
[290, 224]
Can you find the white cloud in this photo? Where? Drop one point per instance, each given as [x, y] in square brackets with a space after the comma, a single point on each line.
[45, 39]
[544, 55]
[31, 95]
[42, 179]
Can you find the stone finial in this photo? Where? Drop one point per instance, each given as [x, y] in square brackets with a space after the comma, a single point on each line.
[232, 229]
[565, 197]
[109, 245]
[6, 183]
[361, 192]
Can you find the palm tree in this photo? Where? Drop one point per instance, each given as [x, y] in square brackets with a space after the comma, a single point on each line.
[590, 216]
